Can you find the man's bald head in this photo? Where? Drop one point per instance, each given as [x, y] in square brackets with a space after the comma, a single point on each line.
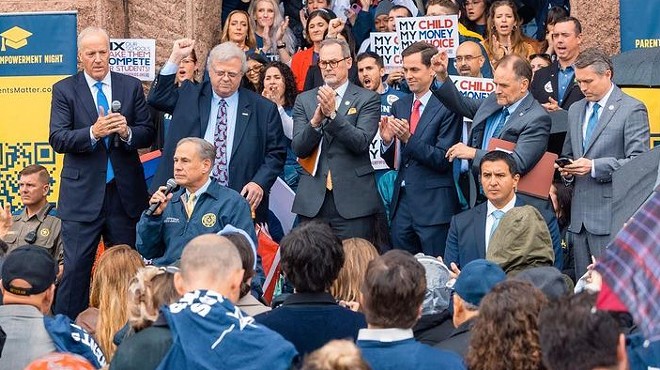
[211, 262]
[469, 59]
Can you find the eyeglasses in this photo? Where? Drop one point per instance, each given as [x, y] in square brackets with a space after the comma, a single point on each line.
[256, 69]
[466, 58]
[231, 75]
[323, 64]
[188, 60]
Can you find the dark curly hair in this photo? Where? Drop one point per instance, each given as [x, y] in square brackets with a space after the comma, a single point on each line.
[506, 334]
[290, 89]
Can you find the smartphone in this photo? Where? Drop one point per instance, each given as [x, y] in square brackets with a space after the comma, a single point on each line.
[561, 162]
[356, 8]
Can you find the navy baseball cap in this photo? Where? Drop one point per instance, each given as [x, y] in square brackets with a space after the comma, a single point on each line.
[477, 279]
[30, 263]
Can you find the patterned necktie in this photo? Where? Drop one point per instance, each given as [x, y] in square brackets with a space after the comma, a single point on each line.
[498, 214]
[102, 101]
[500, 122]
[190, 204]
[591, 125]
[414, 116]
[220, 171]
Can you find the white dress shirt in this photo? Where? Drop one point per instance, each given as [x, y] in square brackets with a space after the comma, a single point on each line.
[385, 335]
[490, 219]
[590, 109]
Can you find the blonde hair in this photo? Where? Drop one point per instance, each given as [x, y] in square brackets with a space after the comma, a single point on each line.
[278, 19]
[250, 39]
[358, 253]
[109, 292]
[336, 355]
[151, 288]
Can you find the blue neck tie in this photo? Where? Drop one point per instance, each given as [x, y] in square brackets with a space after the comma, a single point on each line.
[591, 125]
[498, 214]
[495, 127]
[102, 101]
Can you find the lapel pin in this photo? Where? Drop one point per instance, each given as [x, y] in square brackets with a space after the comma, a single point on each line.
[245, 114]
[347, 102]
[521, 114]
[611, 107]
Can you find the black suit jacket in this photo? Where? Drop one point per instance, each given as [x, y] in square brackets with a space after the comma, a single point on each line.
[547, 78]
[82, 187]
[259, 148]
[423, 166]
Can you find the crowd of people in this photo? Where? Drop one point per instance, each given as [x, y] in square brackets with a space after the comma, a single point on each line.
[415, 245]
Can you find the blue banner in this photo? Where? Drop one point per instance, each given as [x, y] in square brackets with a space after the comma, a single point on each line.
[639, 24]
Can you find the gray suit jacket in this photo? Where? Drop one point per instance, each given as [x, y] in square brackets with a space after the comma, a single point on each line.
[344, 152]
[622, 133]
[528, 126]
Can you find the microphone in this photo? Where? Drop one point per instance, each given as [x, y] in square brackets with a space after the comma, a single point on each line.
[116, 108]
[171, 185]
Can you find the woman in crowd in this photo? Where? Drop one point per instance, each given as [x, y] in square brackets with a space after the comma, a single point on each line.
[274, 38]
[317, 29]
[109, 295]
[539, 61]
[188, 71]
[279, 86]
[247, 303]
[359, 253]
[505, 334]
[503, 35]
[473, 15]
[238, 29]
[255, 65]
[151, 288]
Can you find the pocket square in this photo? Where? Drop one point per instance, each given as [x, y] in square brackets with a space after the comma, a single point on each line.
[351, 111]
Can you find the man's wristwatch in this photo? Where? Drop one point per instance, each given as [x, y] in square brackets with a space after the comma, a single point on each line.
[333, 115]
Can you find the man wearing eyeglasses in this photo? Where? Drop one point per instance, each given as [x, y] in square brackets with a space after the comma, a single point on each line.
[469, 59]
[340, 119]
[35, 224]
[244, 127]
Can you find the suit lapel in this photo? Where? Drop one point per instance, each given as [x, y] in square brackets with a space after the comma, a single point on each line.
[487, 108]
[480, 228]
[242, 119]
[347, 100]
[204, 107]
[427, 116]
[85, 95]
[519, 113]
[576, 133]
[611, 106]
[554, 81]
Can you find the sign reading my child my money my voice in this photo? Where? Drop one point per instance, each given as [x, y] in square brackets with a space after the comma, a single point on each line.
[386, 44]
[439, 31]
[134, 57]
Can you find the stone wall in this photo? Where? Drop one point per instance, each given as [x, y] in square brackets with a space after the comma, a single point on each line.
[167, 20]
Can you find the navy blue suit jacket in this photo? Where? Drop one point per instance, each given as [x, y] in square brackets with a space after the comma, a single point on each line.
[82, 187]
[259, 148]
[467, 235]
[423, 166]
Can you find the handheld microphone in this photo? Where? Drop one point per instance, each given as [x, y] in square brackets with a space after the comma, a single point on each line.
[116, 108]
[171, 185]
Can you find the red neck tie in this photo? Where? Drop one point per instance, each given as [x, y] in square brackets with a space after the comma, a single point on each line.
[414, 116]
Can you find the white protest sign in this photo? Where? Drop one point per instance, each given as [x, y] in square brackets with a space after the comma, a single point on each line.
[473, 88]
[386, 44]
[439, 31]
[134, 57]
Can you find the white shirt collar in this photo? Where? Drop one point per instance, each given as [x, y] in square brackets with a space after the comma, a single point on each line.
[341, 90]
[201, 190]
[385, 335]
[424, 99]
[91, 82]
[505, 209]
[603, 101]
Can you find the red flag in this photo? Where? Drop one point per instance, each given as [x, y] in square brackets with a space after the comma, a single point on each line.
[269, 251]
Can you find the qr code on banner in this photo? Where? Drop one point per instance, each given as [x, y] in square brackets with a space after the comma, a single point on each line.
[16, 156]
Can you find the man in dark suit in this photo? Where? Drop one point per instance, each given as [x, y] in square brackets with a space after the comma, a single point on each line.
[606, 129]
[339, 119]
[554, 86]
[245, 127]
[102, 191]
[424, 198]
[470, 231]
